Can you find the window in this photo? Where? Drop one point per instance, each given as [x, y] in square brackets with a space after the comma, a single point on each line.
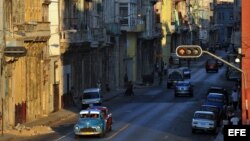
[124, 13]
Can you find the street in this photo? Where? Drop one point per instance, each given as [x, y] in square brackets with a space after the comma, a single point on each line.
[154, 113]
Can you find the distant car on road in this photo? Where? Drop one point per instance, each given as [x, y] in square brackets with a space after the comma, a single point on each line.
[212, 65]
[92, 122]
[91, 97]
[216, 99]
[204, 121]
[221, 90]
[183, 88]
[173, 78]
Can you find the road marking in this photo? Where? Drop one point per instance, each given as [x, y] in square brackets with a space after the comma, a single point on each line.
[119, 131]
[64, 136]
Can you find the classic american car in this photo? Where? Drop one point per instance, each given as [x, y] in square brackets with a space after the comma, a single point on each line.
[93, 121]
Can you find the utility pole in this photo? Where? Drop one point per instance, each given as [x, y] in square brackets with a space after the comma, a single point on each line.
[2, 75]
[190, 22]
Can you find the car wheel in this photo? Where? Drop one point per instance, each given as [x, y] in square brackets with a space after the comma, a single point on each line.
[110, 128]
[191, 95]
[102, 135]
[193, 130]
[76, 136]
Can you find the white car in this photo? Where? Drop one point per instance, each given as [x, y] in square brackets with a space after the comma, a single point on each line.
[91, 97]
[204, 121]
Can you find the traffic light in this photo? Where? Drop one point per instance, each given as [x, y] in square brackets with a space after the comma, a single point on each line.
[188, 51]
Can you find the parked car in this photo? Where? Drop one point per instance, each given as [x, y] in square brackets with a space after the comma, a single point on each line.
[91, 122]
[212, 65]
[221, 90]
[215, 109]
[183, 88]
[173, 78]
[216, 99]
[204, 121]
[233, 75]
[91, 97]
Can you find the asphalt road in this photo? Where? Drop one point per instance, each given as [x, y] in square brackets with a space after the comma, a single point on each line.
[153, 114]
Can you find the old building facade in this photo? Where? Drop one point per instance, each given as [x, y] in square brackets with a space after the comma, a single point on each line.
[26, 79]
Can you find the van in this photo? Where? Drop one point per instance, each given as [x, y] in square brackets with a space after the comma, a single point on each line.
[91, 97]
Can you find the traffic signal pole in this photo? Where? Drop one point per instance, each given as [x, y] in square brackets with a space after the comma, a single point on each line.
[244, 92]
[194, 51]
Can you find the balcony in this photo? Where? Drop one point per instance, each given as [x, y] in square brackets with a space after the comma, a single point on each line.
[35, 31]
[46, 2]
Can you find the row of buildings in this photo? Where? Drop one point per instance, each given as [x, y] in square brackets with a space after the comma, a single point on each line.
[73, 44]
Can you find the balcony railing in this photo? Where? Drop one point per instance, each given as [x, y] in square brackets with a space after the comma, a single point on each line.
[37, 31]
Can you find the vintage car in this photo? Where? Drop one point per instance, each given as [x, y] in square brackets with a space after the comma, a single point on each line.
[204, 121]
[93, 121]
[216, 99]
[183, 88]
[107, 115]
[212, 65]
[220, 90]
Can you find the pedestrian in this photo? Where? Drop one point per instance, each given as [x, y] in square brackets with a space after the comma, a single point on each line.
[129, 91]
[165, 69]
[160, 77]
[235, 120]
[71, 94]
[99, 84]
[125, 79]
[235, 99]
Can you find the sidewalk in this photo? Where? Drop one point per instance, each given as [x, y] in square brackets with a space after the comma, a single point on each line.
[43, 124]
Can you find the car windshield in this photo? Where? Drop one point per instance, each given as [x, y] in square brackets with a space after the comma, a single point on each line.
[89, 115]
[90, 95]
[216, 90]
[203, 116]
[175, 75]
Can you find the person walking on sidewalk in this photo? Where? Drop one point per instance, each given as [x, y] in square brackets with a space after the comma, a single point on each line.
[235, 99]
[165, 69]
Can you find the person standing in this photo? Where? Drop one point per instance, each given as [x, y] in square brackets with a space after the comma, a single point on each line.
[165, 69]
[235, 99]
[125, 79]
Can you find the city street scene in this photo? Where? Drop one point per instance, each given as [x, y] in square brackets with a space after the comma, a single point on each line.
[123, 70]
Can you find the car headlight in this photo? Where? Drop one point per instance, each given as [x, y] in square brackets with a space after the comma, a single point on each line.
[77, 128]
